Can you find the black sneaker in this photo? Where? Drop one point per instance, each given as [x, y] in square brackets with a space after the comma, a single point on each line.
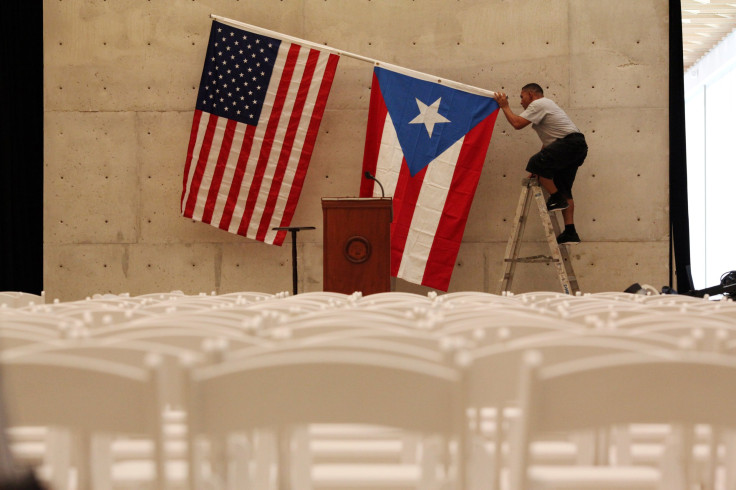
[568, 238]
[557, 204]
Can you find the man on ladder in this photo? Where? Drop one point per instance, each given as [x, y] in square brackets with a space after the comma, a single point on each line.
[563, 151]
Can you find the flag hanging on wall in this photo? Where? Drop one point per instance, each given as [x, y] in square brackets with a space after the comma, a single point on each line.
[426, 143]
[258, 110]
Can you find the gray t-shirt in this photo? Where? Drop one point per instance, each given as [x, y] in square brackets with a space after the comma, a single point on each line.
[548, 120]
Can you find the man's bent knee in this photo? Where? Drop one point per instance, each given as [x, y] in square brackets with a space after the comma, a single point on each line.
[536, 166]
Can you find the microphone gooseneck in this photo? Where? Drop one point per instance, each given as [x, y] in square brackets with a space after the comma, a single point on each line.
[370, 176]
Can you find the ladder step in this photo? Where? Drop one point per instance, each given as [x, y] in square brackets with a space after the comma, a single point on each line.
[533, 259]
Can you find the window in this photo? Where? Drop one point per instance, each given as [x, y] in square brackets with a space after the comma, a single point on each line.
[710, 113]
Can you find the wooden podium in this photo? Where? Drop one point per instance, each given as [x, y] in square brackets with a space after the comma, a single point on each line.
[357, 244]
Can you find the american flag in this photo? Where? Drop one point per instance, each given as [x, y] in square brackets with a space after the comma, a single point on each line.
[257, 115]
[426, 143]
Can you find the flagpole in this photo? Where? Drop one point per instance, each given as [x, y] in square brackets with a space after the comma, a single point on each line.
[340, 52]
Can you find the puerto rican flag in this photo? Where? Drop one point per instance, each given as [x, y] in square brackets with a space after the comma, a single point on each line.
[426, 143]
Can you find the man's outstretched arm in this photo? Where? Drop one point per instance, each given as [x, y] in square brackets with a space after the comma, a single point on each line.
[516, 121]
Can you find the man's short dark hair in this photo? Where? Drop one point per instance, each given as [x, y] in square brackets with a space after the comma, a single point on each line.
[533, 87]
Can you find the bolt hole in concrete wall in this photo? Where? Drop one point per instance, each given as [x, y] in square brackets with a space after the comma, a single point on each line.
[120, 79]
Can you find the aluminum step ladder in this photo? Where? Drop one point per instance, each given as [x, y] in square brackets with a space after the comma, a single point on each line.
[559, 256]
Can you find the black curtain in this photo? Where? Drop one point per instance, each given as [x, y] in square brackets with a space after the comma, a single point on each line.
[679, 224]
[21, 133]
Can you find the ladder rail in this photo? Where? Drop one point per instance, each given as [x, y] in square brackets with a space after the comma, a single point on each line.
[566, 262]
[550, 224]
[514, 244]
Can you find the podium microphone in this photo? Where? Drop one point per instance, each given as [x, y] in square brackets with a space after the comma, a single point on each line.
[370, 176]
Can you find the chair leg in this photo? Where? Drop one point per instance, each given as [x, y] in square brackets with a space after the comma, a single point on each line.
[58, 457]
[101, 460]
[195, 460]
[218, 460]
[621, 440]
[239, 450]
[301, 461]
[729, 460]
[431, 457]
[481, 468]
[585, 443]
[410, 443]
[498, 444]
[82, 460]
[676, 463]
[265, 455]
[283, 436]
[707, 473]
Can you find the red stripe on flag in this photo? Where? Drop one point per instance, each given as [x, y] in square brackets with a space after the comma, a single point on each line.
[291, 131]
[227, 142]
[204, 154]
[232, 197]
[308, 147]
[190, 152]
[268, 138]
[374, 132]
[447, 239]
[404, 201]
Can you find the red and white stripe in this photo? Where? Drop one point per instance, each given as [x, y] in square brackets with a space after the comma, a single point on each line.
[431, 208]
[247, 179]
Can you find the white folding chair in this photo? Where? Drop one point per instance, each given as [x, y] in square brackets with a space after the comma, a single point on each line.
[492, 392]
[85, 395]
[17, 299]
[682, 388]
[323, 384]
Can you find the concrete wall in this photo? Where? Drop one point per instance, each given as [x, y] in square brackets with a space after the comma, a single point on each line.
[121, 78]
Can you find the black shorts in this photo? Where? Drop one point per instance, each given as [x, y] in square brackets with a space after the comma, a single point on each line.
[560, 161]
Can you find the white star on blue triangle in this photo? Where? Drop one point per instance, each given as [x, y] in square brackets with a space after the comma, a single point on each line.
[429, 115]
[454, 114]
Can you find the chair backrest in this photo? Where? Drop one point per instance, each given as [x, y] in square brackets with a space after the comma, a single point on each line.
[492, 371]
[685, 387]
[324, 386]
[79, 392]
